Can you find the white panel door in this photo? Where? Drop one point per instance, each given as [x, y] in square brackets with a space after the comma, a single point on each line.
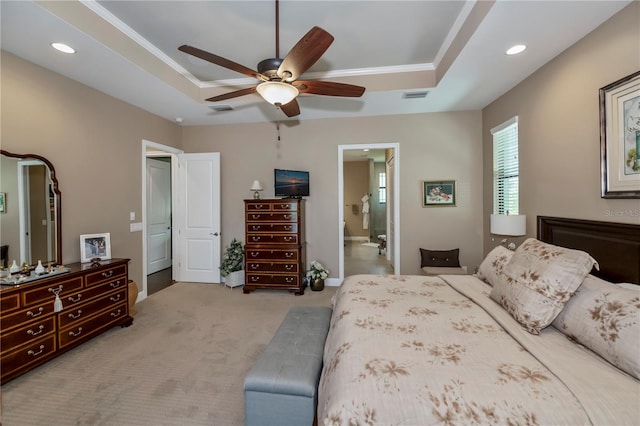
[198, 217]
[391, 209]
[158, 215]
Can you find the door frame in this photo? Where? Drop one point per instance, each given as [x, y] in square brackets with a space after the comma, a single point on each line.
[396, 202]
[153, 149]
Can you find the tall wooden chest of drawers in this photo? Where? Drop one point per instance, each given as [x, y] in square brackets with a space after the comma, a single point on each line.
[275, 245]
[94, 299]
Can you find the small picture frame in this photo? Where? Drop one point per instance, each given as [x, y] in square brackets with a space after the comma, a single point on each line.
[94, 247]
[620, 138]
[441, 193]
[3, 202]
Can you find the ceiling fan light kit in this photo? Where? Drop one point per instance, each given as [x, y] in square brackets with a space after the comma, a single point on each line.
[278, 84]
[277, 92]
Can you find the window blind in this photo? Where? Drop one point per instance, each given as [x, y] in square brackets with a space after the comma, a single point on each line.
[506, 168]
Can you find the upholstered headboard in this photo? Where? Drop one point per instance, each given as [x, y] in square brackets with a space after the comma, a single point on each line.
[616, 246]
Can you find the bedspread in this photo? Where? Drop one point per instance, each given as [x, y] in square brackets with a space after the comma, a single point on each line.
[416, 350]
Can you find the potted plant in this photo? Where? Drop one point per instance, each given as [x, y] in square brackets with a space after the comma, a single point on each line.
[231, 267]
[317, 274]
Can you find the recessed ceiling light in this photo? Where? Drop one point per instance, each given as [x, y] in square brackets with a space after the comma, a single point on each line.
[63, 47]
[518, 48]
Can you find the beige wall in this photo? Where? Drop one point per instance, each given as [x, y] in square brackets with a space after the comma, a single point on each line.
[94, 143]
[432, 147]
[559, 133]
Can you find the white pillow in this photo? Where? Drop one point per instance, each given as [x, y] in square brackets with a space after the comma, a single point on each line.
[539, 279]
[605, 318]
[629, 286]
[492, 267]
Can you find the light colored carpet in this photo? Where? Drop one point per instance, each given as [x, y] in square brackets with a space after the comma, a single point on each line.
[182, 362]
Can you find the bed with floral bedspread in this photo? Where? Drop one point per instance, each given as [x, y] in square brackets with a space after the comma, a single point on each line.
[416, 350]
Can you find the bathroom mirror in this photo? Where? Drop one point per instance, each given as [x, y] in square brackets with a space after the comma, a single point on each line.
[30, 213]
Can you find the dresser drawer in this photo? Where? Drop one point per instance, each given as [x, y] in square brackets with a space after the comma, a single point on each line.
[272, 239]
[27, 315]
[257, 206]
[90, 292]
[81, 312]
[284, 267]
[267, 228]
[28, 333]
[272, 254]
[9, 303]
[279, 206]
[117, 273]
[84, 329]
[45, 293]
[284, 280]
[272, 217]
[33, 353]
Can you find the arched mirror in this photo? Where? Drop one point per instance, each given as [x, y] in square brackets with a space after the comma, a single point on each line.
[29, 210]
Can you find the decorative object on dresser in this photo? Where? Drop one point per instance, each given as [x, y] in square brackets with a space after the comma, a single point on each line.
[95, 247]
[46, 317]
[256, 187]
[275, 245]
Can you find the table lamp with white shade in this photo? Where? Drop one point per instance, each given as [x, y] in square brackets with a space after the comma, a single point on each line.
[509, 225]
[256, 187]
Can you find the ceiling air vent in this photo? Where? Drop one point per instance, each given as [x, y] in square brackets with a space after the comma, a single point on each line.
[221, 108]
[415, 95]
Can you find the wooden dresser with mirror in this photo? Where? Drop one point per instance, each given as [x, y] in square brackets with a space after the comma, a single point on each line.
[94, 297]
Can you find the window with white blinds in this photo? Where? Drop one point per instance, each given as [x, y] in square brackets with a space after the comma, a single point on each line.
[506, 168]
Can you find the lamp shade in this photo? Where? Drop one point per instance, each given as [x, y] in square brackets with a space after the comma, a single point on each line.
[512, 225]
[256, 186]
[277, 92]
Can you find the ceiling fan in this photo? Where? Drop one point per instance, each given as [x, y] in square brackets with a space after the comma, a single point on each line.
[279, 77]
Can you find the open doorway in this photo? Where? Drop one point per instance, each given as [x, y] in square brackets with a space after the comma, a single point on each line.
[368, 202]
[158, 177]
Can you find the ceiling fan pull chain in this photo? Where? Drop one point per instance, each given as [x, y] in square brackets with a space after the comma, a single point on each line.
[278, 128]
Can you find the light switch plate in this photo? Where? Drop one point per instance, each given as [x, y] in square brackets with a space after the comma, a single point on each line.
[132, 216]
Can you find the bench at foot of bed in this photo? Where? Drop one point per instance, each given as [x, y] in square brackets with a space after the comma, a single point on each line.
[282, 386]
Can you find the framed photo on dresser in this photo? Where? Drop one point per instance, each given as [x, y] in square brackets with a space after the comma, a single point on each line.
[93, 246]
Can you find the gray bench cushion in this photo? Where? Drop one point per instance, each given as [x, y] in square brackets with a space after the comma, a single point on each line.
[289, 369]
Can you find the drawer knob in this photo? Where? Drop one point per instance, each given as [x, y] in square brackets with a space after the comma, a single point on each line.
[288, 238]
[116, 313]
[287, 216]
[255, 238]
[35, 333]
[77, 333]
[289, 254]
[289, 279]
[56, 290]
[107, 274]
[115, 298]
[288, 228]
[254, 266]
[32, 314]
[288, 267]
[115, 284]
[34, 353]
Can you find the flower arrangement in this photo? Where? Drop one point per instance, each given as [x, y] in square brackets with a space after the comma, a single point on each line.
[233, 259]
[317, 271]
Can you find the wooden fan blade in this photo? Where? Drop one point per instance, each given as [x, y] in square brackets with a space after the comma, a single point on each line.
[223, 62]
[291, 109]
[230, 95]
[329, 88]
[304, 54]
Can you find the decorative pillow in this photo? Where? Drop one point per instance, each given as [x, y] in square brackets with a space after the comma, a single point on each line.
[539, 279]
[629, 286]
[492, 267]
[446, 258]
[605, 318]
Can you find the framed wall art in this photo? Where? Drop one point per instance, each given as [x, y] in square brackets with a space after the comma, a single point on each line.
[439, 193]
[620, 138]
[3, 202]
[95, 246]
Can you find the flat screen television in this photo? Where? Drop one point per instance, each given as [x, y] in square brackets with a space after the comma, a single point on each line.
[291, 183]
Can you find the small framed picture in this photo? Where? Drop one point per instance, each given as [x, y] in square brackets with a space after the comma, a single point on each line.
[3, 202]
[94, 247]
[439, 193]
